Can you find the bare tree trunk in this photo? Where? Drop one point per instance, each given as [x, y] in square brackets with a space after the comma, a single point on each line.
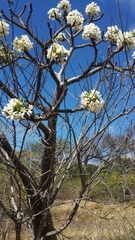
[18, 229]
[42, 221]
[49, 227]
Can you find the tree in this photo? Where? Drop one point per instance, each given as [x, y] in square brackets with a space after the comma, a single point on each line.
[49, 92]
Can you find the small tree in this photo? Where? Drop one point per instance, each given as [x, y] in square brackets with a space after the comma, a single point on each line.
[48, 92]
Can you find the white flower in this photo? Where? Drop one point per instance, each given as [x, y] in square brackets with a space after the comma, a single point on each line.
[126, 39]
[76, 19]
[92, 101]
[22, 44]
[60, 37]
[2, 53]
[4, 28]
[29, 110]
[133, 55]
[112, 34]
[16, 110]
[92, 9]
[54, 13]
[91, 31]
[6, 54]
[122, 39]
[58, 53]
[64, 6]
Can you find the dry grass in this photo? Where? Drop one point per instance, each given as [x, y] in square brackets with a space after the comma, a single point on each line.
[93, 222]
[25, 234]
[97, 221]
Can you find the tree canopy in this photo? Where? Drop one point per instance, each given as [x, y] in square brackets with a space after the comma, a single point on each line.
[70, 91]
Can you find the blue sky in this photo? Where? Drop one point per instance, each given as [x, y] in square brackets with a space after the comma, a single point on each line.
[108, 7]
[40, 9]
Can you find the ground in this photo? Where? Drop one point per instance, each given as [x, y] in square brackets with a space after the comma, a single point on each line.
[93, 222]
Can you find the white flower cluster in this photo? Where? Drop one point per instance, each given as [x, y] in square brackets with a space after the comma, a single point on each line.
[112, 34]
[64, 6]
[60, 37]
[54, 13]
[76, 19]
[16, 110]
[22, 44]
[4, 28]
[126, 39]
[92, 101]
[92, 9]
[6, 53]
[57, 53]
[91, 31]
[2, 53]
